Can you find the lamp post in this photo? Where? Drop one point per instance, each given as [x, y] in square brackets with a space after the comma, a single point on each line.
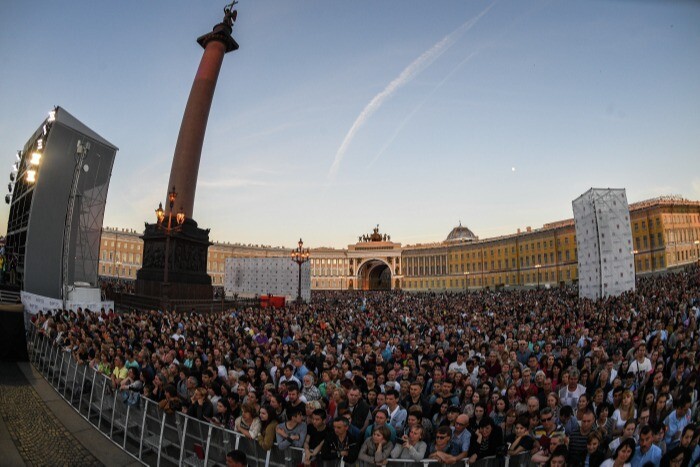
[538, 266]
[697, 250]
[466, 281]
[169, 229]
[117, 288]
[300, 255]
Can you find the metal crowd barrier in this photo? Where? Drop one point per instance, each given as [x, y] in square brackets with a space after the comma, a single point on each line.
[154, 437]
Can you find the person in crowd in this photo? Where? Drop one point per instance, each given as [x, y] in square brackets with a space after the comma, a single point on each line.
[688, 442]
[412, 445]
[544, 432]
[673, 458]
[579, 436]
[558, 457]
[595, 454]
[340, 445]
[444, 450]
[376, 449]
[236, 458]
[523, 442]
[248, 423]
[119, 372]
[381, 418]
[678, 419]
[397, 414]
[200, 406]
[293, 431]
[627, 432]
[487, 441]
[268, 427]
[316, 434]
[646, 452]
[358, 408]
[542, 456]
[626, 411]
[172, 402]
[622, 455]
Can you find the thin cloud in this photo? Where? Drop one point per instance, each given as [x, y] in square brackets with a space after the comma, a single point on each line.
[410, 72]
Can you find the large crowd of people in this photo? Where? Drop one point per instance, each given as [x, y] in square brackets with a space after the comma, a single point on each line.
[540, 375]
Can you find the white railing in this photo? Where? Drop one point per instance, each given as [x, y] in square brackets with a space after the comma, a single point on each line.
[154, 437]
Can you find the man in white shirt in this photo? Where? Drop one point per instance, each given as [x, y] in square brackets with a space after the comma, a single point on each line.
[640, 365]
[570, 394]
[460, 366]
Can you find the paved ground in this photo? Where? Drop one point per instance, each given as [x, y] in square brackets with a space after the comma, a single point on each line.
[37, 427]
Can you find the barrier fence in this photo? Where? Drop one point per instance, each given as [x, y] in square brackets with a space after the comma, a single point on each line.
[154, 437]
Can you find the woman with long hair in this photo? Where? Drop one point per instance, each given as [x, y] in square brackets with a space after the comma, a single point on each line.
[623, 454]
[626, 411]
[223, 416]
[660, 409]
[268, 425]
[552, 401]
[512, 396]
[556, 375]
[508, 425]
[581, 405]
[498, 413]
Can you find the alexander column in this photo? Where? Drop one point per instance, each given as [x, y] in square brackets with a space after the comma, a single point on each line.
[174, 248]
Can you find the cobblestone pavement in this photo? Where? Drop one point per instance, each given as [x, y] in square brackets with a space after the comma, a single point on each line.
[40, 437]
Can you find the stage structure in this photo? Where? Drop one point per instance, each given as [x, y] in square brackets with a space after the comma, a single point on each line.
[604, 243]
[58, 189]
[175, 247]
[250, 277]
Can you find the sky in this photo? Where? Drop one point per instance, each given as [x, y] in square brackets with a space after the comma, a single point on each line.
[334, 117]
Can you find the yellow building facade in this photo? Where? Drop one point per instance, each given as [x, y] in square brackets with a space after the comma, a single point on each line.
[121, 255]
[665, 232]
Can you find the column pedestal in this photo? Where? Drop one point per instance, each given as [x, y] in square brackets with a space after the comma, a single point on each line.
[187, 264]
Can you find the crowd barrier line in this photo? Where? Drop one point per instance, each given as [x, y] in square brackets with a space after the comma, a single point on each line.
[154, 437]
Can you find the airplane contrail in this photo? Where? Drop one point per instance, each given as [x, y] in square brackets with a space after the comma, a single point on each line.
[410, 72]
[417, 108]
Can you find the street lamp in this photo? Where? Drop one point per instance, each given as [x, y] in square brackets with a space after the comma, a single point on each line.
[697, 248]
[117, 287]
[169, 229]
[538, 266]
[119, 265]
[466, 281]
[300, 255]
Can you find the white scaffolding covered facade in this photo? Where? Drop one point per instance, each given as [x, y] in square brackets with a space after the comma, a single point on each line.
[604, 243]
[249, 277]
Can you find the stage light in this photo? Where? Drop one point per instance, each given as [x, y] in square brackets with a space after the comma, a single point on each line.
[8, 198]
[40, 144]
[31, 176]
[36, 158]
[12, 176]
[15, 167]
[19, 155]
[9, 187]
[52, 115]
